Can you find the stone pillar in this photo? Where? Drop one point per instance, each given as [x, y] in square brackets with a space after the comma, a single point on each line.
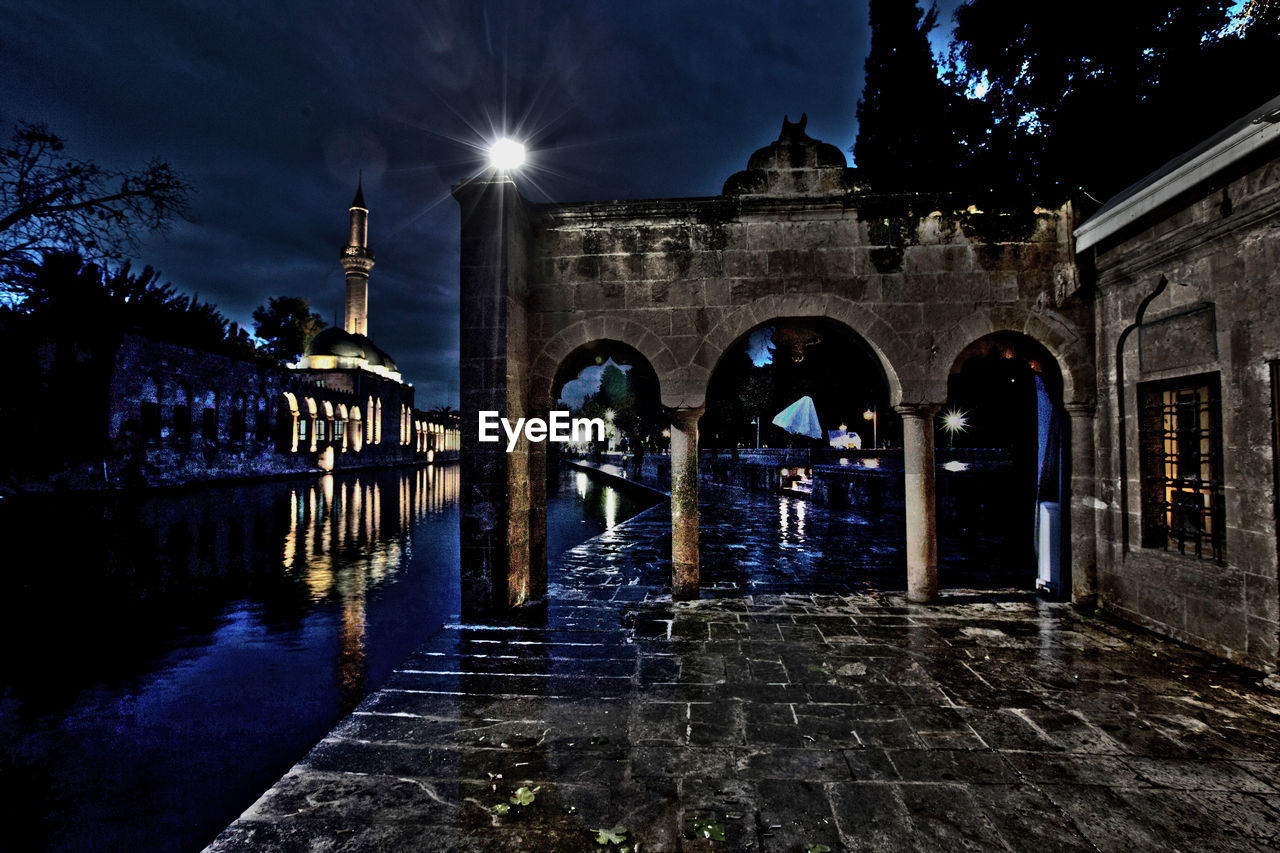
[496, 570]
[1083, 511]
[684, 503]
[921, 501]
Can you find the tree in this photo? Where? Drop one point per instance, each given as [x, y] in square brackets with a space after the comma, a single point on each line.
[52, 202]
[80, 303]
[67, 334]
[286, 325]
[905, 137]
[1089, 102]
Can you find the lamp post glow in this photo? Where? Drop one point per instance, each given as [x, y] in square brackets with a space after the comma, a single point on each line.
[870, 415]
[506, 154]
[954, 421]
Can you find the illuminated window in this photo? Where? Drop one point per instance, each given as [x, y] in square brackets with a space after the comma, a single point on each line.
[1180, 435]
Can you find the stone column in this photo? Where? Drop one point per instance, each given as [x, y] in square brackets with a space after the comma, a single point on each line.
[496, 571]
[684, 503]
[921, 501]
[1083, 512]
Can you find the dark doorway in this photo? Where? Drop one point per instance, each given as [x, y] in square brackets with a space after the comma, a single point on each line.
[1001, 479]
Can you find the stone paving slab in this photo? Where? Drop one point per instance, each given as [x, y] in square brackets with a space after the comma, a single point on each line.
[800, 711]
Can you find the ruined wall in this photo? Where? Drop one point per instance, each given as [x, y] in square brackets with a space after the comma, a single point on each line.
[159, 433]
[1219, 316]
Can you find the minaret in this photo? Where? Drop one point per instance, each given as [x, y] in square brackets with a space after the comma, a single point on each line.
[357, 260]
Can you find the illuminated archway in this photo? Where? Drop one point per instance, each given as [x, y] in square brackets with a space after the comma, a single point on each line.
[311, 419]
[297, 431]
[357, 429]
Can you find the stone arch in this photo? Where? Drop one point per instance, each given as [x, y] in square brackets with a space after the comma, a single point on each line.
[238, 426]
[149, 409]
[1073, 354]
[896, 358]
[614, 329]
[291, 402]
[1057, 445]
[262, 420]
[862, 374]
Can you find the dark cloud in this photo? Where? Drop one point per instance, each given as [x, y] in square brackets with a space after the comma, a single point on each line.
[271, 109]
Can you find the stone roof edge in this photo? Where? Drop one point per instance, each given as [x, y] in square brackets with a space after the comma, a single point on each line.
[675, 207]
[1257, 129]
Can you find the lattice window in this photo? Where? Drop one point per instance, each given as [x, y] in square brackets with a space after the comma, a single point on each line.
[1181, 456]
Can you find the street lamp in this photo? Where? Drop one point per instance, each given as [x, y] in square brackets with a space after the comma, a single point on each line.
[954, 421]
[870, 415]
[506, 155]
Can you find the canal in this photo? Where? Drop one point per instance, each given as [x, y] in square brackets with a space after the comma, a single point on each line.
[168, 656]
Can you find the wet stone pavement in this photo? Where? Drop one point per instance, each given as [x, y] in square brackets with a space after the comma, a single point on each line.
[797, 707]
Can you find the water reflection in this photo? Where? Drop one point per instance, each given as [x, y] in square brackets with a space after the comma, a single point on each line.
[191, 646]
[600, 504]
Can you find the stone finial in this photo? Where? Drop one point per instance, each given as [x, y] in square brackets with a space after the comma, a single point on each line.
[794, 165]
[794, 132]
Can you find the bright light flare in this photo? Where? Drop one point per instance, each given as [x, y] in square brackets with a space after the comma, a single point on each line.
[506, 154]
[954, 421]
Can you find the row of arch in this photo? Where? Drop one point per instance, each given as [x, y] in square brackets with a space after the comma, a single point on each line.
[915, 375]
[317, 426]
[917, 389]
[177, 413]
[313, 425]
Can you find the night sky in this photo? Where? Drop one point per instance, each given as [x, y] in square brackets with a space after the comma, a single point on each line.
[270, 109]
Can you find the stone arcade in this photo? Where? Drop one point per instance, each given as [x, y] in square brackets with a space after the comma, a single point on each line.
[680, 281]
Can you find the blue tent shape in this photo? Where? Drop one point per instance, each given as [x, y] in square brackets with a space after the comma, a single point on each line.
[800, 418]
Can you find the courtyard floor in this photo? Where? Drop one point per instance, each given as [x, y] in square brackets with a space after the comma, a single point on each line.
[800, 705]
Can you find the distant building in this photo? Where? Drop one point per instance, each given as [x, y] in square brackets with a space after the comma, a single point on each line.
[175, 415]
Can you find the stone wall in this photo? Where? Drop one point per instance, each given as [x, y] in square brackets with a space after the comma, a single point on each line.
[177, 415]
[1219, 316]
[683, 280]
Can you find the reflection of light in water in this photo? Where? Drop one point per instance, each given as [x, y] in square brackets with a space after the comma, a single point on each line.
[870, 463]
[800, 507]
[784, 516]
[319, 578]
[956, 465]
[326, 485]
[291, 538]
[610, 508]
[581, 483]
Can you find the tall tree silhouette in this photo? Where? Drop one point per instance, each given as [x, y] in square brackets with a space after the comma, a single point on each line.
[905, 136]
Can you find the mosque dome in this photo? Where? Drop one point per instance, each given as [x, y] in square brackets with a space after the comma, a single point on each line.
[343, 344]
[338, 342]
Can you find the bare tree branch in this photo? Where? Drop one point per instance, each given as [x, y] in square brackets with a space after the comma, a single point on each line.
[51, 202]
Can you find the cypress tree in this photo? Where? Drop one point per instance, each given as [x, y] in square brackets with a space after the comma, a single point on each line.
[905, 140]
